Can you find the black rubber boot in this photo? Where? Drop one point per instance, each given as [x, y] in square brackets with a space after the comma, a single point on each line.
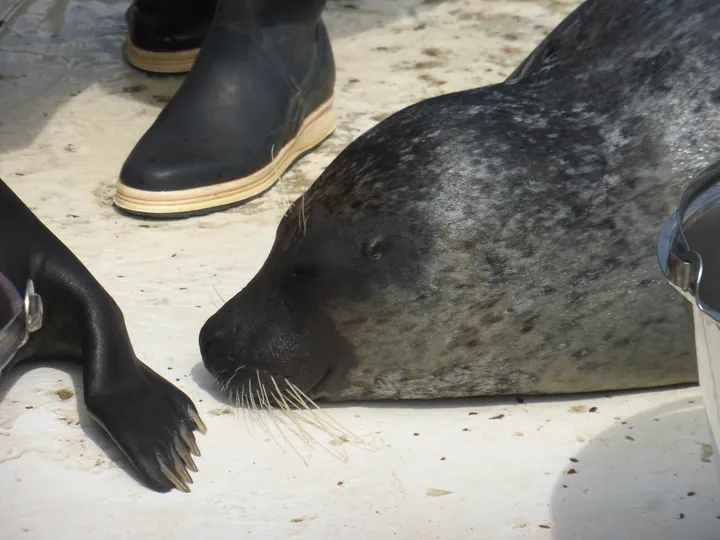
[165, 36]
[258, 97]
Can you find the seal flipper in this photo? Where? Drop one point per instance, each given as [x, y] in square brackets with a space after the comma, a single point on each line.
[146, 416]
[145, 420]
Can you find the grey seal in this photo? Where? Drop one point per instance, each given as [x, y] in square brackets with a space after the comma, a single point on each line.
[499, 240]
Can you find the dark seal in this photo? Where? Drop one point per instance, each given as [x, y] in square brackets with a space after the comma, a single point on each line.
[499, 240]
[146, 416]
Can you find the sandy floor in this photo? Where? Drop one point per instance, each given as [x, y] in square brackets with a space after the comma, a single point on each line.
[70, 112]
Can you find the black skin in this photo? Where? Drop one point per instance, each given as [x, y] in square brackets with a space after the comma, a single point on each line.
[151, 421]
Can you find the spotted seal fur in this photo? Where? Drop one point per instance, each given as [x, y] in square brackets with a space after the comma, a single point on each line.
[498, 240]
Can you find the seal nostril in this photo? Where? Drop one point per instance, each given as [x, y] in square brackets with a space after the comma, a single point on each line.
[205, 342]
[208, 335]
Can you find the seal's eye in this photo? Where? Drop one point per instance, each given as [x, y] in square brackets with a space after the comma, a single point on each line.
[304, 271]
[374, 248]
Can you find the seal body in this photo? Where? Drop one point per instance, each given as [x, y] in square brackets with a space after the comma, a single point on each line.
[146, 416]
[499, 240]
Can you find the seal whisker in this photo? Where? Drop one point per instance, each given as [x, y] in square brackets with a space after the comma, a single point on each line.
[230, 394]
[297, 416]
[310, 417]
[244, 406]
[217, 381]
[324, 418]
[262, 420]
[253, 406]
[291, 414]
[301, 215]
[262, 392]
[303, 434]
[266, 408]
[271, 411]
[318, 422]
[229, 381]
[235, 399]
[264, 400]
[299, 429]
[219, 295]
[282, 401]
[288, 409]
[282, 420]
[257, 410]
[280, 183]
[259, 417]
[214, 303]
[303, 410]
[262, 395]
[280, 398]
[300, 405]
[297, 452]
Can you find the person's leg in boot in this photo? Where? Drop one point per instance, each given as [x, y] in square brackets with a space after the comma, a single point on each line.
[165, 36]
[258, 97]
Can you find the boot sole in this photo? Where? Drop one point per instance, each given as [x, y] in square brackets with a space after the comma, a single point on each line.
[317, 127]
[159, 62]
